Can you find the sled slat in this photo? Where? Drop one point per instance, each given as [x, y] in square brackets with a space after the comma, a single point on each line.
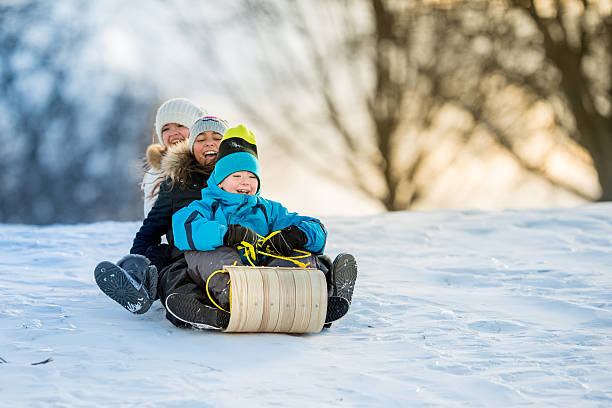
[318, 303]
[271, 311]
[237, 307]
[303, 302]
[286, 298]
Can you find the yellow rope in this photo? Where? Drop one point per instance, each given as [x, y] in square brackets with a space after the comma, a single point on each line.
[287, 258]
[252, 251]
[273, 233]
[293, 259]
[208, 293]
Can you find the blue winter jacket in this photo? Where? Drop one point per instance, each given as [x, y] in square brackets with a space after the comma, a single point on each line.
[203, 223]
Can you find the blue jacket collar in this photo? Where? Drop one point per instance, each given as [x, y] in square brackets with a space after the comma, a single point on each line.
[229, 199]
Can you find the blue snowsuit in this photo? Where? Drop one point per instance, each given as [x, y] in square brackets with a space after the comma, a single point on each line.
[203, 223]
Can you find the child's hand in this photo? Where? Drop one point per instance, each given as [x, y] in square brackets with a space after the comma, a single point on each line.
[236, 233]
[288, 239]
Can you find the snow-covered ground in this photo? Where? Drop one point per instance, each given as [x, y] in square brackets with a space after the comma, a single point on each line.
[451, 309]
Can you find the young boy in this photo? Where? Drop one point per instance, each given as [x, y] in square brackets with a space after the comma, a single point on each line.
[231, 214]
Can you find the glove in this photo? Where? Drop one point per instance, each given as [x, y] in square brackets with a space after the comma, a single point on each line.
[288, 239]
[236, 233]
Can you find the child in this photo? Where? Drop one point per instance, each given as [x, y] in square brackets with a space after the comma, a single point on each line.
[172, 122]
[231, 215]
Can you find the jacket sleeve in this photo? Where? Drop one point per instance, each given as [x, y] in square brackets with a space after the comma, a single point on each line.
[194, 229]
[156, 224]
[314, 229]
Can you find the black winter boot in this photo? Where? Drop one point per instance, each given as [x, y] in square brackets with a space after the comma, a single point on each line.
[190, 310]
[120, 286]
[142, 272]
[336, 308]
[344, 275]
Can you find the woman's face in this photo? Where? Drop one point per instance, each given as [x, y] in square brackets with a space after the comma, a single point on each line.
[240, 182]
[173, 133]
[206, 147]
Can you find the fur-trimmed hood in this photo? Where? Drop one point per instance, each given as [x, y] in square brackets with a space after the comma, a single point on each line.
[155, 154]
[179, 164]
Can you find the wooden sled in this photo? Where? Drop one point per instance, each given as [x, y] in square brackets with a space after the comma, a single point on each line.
[277, 299]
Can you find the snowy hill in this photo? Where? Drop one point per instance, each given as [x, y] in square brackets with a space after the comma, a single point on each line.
[451, 309]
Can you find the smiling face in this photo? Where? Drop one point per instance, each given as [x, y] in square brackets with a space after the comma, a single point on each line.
[240, 182]
[206, 147]
[173, 133]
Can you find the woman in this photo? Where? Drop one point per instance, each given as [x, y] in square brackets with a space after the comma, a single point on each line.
[172, 122]
[153, 269]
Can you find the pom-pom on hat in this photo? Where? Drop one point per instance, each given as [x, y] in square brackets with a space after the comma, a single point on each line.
[206, 123]
[177, 110]
[237, 152]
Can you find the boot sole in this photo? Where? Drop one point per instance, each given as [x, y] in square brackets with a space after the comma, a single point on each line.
[337, 307]
[201, 316]
[344, 275]
[113, 281]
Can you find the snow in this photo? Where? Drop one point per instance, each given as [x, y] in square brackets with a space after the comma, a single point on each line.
[451, 309]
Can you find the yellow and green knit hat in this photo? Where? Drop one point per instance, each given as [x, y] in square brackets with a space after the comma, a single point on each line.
[237, 152]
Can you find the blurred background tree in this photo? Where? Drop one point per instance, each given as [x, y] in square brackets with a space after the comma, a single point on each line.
[407, 104]
[575, 38]
[66, 123]
[394, 95]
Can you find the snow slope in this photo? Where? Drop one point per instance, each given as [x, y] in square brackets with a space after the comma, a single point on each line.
[451, 309]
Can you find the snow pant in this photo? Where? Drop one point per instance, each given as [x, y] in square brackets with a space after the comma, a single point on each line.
[202, 265]
[174, 278]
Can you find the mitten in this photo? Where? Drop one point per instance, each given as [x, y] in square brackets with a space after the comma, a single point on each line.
[288, 239]
[236, 233]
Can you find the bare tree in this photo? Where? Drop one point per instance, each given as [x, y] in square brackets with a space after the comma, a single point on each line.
[67, 145]
[576, 39]
[366, 83]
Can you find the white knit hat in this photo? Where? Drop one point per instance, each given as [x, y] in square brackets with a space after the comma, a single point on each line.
[206, 123]
[177, 110]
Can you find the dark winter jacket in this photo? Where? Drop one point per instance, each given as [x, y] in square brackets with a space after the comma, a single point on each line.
[186, 178]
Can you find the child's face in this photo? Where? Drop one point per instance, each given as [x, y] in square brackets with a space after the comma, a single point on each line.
[206, 147]
[173, 133]
[240, 182]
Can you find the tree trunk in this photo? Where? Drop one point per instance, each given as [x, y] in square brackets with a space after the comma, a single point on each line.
[593, 130]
